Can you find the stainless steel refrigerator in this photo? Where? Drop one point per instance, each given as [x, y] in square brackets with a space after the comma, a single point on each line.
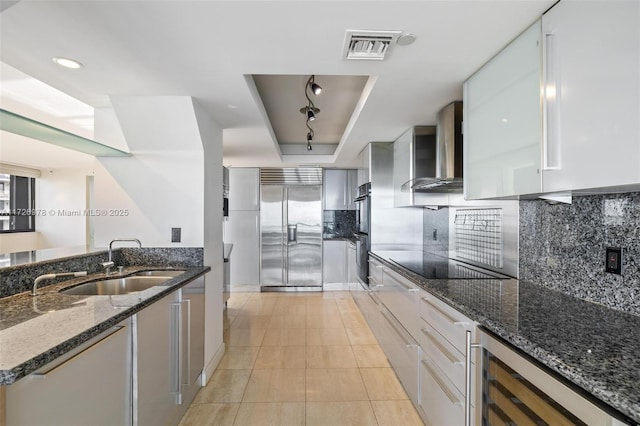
[291, 237]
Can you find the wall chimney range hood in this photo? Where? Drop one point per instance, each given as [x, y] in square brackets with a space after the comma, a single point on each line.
[445, 167]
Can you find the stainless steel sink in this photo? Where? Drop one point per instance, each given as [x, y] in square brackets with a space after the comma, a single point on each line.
[163, 273]
[115, 286]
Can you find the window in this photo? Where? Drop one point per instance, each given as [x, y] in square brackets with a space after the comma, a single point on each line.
[17, 203]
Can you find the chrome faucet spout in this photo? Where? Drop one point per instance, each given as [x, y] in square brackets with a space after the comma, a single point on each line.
[37, 281]
[132, 240]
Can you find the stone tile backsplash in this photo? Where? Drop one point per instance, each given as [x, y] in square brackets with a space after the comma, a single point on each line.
[563, 247]
[17, 279]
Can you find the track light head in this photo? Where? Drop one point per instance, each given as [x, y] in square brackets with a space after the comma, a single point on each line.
[310, 115]
[309, 137]
[316, 89]
[309, 146]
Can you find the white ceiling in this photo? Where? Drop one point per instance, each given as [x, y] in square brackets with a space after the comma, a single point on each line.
[206, 49]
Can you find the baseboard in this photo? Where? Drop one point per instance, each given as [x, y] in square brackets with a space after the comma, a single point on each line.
[336, 287]
[213, 364]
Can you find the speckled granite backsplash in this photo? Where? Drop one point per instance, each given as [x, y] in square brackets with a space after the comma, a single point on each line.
[17, 279]
[339, 223]
[563, 247]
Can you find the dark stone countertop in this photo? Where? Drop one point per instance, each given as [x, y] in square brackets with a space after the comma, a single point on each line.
[36, 330]
[592, 346]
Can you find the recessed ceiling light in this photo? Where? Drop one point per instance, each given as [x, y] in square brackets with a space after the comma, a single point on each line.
[67, 63]
[231, 106]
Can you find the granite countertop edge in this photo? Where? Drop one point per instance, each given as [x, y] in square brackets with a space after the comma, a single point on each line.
[9, 376]
[623, 404]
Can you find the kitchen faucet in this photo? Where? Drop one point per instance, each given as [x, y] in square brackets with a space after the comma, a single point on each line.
[34, 292]
[109, 264]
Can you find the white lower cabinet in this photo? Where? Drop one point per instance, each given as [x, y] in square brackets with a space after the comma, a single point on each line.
[352, 267]
[89, 386]
[424, 340]
[334, 262]
[440, 402]
[401, 350]
[170, 355]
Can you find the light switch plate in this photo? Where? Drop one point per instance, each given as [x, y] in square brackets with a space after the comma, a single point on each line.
[176, 235]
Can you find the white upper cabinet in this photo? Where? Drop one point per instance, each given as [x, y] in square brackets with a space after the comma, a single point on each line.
[503, 122]
[592, 65]
[364, 159]
[244, 188]
[557, 110]
[339, 186]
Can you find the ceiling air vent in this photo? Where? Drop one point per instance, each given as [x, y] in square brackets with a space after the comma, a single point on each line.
[371, 45]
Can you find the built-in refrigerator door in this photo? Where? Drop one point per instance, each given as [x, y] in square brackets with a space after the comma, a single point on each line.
[304, 235]
[272, 236]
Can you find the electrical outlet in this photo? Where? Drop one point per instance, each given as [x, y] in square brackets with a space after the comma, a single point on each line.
[613, 261]
[176, 235]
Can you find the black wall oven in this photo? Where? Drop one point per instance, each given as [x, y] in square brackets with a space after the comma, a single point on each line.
[363, 236]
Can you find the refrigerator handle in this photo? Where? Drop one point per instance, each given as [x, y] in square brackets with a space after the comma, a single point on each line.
[292, 233]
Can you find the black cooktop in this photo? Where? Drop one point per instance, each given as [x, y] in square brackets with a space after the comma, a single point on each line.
[432, 266]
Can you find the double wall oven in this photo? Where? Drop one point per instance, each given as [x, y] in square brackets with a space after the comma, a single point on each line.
[363, 236]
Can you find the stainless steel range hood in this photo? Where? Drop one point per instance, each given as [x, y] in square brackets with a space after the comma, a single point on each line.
[446, 170]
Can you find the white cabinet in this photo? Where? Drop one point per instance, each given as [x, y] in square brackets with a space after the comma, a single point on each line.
[557, 109]
[89, 386]
[170, 348]
[352, 267]
[244, 188]
[443, 338]
[592, 65]
[334, 262]
[399, 295]
[242, 229]
[364, 168]
[502, 122]
[338, 189]
[157, 361]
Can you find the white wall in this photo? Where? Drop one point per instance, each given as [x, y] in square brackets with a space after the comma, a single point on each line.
[172, 179]
[61, 199]
[161, 185]
[211, 135]
[62, 194]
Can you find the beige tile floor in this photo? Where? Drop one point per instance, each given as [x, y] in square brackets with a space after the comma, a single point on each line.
[300, 359]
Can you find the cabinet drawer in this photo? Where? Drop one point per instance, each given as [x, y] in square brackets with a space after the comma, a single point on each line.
[447, 321]
[401, 351]
[440, 401]
[444, 355]
[399, 296]
[375, 270]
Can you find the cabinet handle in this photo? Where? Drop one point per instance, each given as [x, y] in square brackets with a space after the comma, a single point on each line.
[176, 349]
[406, 286]
[187, 373]
[44, 375]
[451, 357]
[440, 382]
[467, 377]
[551, 92]
[444, 314]
[407, 342]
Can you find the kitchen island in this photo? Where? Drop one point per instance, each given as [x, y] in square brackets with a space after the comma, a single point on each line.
[589, 346]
